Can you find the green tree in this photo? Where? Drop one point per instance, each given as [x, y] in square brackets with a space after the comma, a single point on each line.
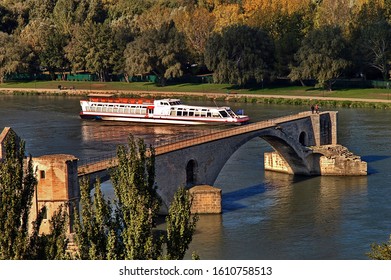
[94, 49]
[180, 225]
[14, 55]
[16, 193]
[322, 56]
[137, 200]
[52, 246]
[372, 36]
[162, 52]
[17, 186]
[288, 34]
[47, 44]
[64, 15]
[381, 251]
[240, 54]
[92, 225]
[52, 56]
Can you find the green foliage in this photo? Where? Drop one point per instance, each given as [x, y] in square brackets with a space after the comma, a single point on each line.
[93, 48]
[51, 246]
[92, 36]
[16, 193]
[8, 20]
[239, 55]
[371, 35]
[180, 225]
[12, 53]
[380, 251]
[161, 52]
[322, 56]
[52, 56]
[91, 228]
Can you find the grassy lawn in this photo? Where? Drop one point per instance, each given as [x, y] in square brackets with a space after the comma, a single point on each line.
[370, 93]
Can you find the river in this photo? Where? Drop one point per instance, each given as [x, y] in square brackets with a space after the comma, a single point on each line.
[266, 215]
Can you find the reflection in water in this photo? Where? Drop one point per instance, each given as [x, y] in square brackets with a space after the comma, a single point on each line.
[208, 237]
[310, 211]
[108, 135]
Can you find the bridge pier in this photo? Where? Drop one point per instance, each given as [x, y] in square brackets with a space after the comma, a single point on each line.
[326, 160]
[313, 154]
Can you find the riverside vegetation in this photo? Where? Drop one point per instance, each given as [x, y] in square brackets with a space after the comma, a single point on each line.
[291, 95]
[240, 42]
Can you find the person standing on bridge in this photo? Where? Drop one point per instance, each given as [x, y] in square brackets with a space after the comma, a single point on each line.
[312, 108]
[317, 108]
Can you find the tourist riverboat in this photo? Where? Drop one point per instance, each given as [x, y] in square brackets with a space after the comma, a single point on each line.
[162, 111]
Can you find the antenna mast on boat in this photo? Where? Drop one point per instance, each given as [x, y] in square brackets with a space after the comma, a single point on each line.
[214, 101]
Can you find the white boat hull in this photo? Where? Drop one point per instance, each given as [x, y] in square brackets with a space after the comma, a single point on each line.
[165, 111]
[156, 120]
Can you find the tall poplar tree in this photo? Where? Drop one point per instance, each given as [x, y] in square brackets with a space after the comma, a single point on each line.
[17, 186]
[180, 225]
[16, 193]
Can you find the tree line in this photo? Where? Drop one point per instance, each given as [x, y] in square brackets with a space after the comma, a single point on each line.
[239, 41]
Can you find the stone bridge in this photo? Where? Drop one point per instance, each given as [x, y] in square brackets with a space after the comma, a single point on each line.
[304, 144]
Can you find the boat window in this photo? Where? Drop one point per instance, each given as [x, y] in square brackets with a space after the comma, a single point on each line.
[209, 114]
[231, 113]
[224, 114]
[185, 113]
[191, 114]
[179, 113]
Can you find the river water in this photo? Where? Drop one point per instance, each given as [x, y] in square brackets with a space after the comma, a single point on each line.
[266, 215]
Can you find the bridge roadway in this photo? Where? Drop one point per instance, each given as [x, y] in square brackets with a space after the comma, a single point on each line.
[104, 164]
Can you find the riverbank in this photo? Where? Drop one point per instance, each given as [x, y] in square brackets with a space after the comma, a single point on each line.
[363, 98]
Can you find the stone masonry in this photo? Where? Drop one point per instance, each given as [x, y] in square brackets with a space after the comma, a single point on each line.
[206, 200]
